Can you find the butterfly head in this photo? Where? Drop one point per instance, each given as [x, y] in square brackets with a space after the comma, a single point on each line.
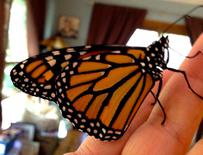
[156, 56]
[164, 42]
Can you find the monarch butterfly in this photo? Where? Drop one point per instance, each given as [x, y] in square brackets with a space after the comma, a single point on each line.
[98, 88]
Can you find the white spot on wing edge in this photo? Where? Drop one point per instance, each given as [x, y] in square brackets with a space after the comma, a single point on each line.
[82, 53]
[64, 108]
[63, 74]
[22, 66]
[24, 61]
[52, 62]
[88, 130]
[47, 87]
[49, 58]
[75, 64]
[87, 58]
[67, 57]
[82, 126]
[26, 79]
[97, 57]
[53, 95]
[88, 46]
[21, 73]
[70, 50]
[95, 131]
[56, 52]
[70, 110]
[116, 52]
[156, 49]
[71, 72]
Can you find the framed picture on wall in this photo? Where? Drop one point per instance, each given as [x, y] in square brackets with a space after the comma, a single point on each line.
[69, 26]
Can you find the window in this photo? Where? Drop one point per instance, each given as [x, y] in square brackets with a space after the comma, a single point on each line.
[17, 47]
[179, 44]
[16, 51]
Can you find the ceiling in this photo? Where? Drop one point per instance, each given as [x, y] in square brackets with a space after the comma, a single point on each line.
[193, 2]
[159, 7]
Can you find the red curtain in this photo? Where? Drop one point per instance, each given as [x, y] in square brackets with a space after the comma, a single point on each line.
[113, 24]
[35, 24]
[194, 27]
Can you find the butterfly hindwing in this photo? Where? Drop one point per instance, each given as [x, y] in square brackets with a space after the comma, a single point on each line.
[37, 75]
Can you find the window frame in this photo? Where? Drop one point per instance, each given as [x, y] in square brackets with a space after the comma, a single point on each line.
[161, 26]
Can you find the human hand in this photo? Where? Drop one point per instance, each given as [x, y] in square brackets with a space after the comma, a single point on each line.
[146, 135]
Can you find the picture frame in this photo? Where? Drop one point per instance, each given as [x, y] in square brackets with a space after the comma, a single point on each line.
[69, 26]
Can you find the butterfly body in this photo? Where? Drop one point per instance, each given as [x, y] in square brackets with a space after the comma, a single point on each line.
[98, 88]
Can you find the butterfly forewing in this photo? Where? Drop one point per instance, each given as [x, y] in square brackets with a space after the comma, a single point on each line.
[101, 94]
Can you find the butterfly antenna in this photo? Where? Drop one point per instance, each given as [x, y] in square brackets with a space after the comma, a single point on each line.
[179, 19]
[188, 56]
[173, 50]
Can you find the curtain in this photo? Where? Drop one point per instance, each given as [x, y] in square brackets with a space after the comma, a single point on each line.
[35, 24]
[113, 24]
[4, 18]
[194, 27]
[2, 47]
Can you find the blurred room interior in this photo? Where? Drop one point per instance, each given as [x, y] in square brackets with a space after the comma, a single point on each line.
[31, 27]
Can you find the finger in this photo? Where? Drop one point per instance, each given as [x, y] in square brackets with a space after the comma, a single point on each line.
[184, 113]
[197, 149]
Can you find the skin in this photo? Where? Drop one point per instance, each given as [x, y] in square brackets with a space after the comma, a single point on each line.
[184, 112]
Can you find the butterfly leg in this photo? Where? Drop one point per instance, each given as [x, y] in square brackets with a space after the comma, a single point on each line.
[195, 55]
[162, 108]
[158, 91]
[199, 132]
[187, 81]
